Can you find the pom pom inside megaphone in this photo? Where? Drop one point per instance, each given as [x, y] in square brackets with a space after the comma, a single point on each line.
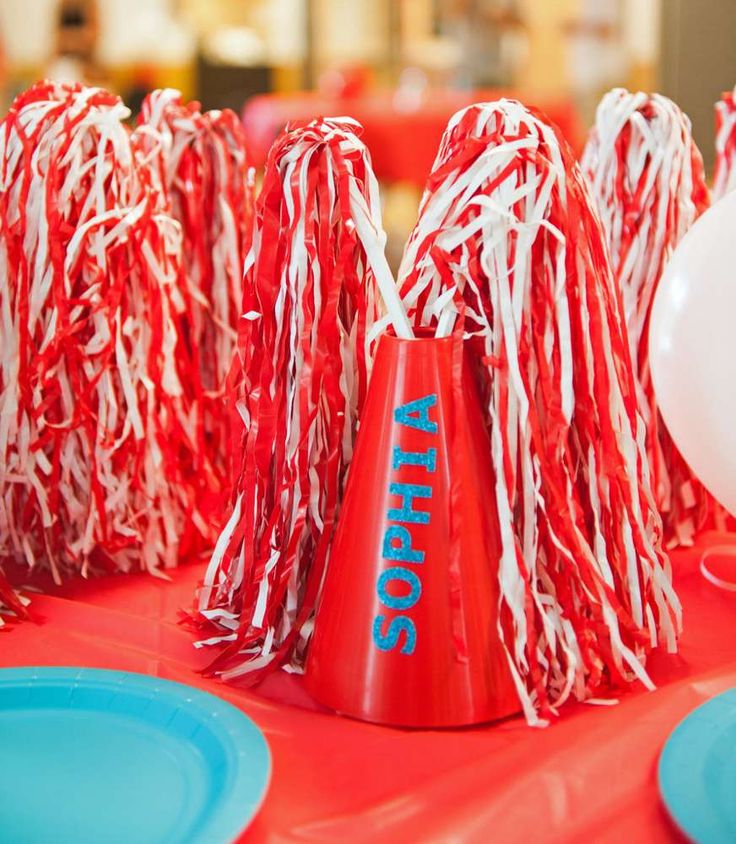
[407, 630]
[692, 349]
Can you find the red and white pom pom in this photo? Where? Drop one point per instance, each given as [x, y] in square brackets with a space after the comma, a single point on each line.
[507, 243]
[200, 167]
[646, 177]
[88, 377]
[310, 317]
[724, 180]
[12, 603]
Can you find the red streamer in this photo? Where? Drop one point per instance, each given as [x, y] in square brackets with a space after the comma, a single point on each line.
[88, 377]
[304, 352]
[198, 166]
[724, 180]
[648, 185]
[506, 236]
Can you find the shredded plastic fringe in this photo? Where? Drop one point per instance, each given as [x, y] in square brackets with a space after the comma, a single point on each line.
[199, 169]
[88, 376]
[647, 182]
[12, 603]
[507, 240]
[724, 180]
[310, 319]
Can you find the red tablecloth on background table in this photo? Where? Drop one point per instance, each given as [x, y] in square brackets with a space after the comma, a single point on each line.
[589, 777]
[402, 141]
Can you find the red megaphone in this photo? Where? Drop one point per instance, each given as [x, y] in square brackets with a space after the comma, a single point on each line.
[406, 631]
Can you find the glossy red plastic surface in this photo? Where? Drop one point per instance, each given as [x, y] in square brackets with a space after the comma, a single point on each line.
[591, 776]
[406, 631]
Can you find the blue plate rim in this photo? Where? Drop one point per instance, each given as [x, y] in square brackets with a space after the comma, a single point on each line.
[231, 819]
[705, 726]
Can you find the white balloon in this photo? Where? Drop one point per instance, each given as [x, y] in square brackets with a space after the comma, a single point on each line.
[692, 349]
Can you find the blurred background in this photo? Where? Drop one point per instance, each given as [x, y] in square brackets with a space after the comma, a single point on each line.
[401, 67]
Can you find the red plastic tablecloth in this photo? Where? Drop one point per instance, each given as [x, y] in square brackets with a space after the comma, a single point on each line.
[403, 142]
[590, 776]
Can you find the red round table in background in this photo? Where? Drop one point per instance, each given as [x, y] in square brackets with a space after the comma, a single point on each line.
[402, 138]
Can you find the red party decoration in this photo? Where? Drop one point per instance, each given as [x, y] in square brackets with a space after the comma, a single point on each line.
[647, 182]
[89, 386]
[310, 318]
[12, 603]
[199, 168]
[499, 544]
[724, 178]
[508, 239]
[405, 629]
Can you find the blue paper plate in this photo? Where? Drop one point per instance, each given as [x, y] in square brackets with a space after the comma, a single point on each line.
[697, 772]
[100, 757]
